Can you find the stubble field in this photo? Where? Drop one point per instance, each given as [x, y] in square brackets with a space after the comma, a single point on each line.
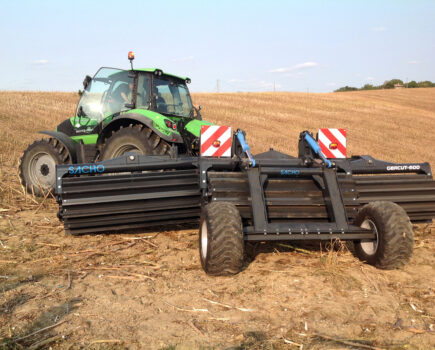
[147, 290]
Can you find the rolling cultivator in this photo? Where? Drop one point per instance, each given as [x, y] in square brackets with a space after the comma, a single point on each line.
[237, 197]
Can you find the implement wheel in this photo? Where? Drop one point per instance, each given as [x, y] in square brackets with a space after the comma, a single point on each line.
[136, 139]
[221, 244]
[38, 165]
[394, 241]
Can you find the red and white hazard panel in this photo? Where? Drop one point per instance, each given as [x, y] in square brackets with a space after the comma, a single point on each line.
[216, 141]
[332, 142]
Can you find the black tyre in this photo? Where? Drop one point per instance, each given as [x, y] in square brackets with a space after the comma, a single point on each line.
[394, 244]
[38, 165]
[221, 244]
[134, 138]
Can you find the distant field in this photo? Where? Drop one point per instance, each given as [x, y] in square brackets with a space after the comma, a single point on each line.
[147, 290]
[396, 125]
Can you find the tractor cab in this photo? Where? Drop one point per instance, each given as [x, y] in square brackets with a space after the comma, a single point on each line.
[113, 91]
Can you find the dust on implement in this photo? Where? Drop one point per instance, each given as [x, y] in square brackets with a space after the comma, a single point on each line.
[269, 197]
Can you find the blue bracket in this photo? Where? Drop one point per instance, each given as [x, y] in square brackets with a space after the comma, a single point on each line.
[245, 147]
[316, 148]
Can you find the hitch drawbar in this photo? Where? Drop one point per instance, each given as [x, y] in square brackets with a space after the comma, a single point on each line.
[245, 146]
[316, 149]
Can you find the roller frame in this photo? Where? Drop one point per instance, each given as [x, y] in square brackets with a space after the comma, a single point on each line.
[269, 165]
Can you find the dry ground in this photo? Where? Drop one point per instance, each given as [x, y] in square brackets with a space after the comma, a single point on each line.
[147, 290]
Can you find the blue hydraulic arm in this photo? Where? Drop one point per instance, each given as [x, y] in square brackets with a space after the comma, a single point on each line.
[245, 146]
[316, 148]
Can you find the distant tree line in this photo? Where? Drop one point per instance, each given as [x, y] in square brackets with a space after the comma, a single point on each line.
[389, 84]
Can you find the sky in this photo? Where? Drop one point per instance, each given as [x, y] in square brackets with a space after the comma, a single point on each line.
[315, 46]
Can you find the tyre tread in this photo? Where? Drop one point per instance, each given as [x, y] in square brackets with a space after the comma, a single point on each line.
[226, 244]
[396, 238]
[56, 146]
[153, 144]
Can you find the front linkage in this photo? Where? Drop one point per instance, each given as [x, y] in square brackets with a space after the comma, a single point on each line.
[271, 196]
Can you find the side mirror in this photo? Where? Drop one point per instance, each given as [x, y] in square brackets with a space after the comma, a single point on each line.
[86, 81]
[198, 113]
[80, 112]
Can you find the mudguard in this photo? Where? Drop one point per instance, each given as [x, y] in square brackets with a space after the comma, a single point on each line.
[194, 126]
[66, 141]
[128, 118]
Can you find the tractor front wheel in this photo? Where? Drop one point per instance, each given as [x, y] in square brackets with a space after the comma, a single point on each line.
[136, 139]
[221, 244]
[394, 242]
[38, 165]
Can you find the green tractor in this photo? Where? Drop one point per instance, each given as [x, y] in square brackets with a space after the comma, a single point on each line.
[144, 111]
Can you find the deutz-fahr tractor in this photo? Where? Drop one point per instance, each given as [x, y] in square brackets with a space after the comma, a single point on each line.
[142, 111]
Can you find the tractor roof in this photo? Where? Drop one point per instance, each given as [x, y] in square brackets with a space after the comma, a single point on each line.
[148, 70]
[152, 70]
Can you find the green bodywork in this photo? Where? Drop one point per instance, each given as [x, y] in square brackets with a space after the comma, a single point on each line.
[157, 118]
[193, 126]
[89, 139]
[83, 122]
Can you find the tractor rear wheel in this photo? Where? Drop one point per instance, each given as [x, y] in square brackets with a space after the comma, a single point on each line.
[136, 139]
[38, 165]
[394, 241]
[221, 244]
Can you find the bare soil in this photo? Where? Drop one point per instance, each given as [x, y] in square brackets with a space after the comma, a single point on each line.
[146, 290]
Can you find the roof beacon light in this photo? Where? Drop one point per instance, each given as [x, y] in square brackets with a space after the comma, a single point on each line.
[131, 58]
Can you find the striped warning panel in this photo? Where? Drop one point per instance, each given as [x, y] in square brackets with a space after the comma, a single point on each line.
[332, 142]
[216, 141]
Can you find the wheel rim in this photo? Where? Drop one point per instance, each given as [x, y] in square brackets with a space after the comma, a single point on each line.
[369, 247]
[126, 148]
[42, 170]
[204, 240]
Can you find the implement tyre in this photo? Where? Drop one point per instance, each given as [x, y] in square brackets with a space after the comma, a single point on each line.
[221, 243]
[38, 165]
[395, 240]
[134, 138]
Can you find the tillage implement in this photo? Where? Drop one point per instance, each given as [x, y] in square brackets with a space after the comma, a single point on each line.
[236, 197]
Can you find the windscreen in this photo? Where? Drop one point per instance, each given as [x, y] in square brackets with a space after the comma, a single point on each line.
[106, 94]
[171, 97]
